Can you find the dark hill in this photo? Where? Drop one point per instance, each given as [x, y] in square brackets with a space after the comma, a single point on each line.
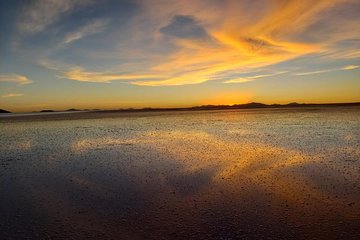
[4, 111]
[47, 110]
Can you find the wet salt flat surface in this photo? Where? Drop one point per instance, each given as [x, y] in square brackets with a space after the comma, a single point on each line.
[244, 174]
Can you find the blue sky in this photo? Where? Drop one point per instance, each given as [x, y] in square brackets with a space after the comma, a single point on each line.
[157, 53]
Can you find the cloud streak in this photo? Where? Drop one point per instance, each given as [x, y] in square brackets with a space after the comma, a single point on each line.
[38, 15]
[12, 95]
[94, 27]
[346, 68]
[239, 80]
[350, 67]
[252, 78]
[79, 74]
[15, 78]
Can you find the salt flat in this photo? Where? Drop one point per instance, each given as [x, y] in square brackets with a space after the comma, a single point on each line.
[242, 174]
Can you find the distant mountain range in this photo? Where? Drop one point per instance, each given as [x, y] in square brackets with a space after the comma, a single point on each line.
[251, 105]
[262, 105]
[216, 107]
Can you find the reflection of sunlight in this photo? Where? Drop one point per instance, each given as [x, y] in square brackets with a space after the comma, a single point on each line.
[199, 150]
[229, 163]
[25, 145]
[350, 137]
[263, 165]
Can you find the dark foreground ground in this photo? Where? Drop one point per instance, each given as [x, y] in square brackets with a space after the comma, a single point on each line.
[241, 174]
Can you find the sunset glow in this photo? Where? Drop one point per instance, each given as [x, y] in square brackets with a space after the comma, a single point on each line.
[168, 53]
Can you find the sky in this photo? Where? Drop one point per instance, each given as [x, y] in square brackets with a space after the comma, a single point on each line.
[109, 54]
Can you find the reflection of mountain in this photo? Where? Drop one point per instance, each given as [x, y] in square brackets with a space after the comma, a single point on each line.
[4, 111]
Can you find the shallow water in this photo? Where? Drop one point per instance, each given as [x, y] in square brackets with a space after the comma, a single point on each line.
[244, 174]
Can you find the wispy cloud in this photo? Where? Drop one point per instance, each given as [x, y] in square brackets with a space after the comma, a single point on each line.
[252, 78]
[94, 27]
[239, 80]
[39, 14]
[350, 67]
[244, 38]
[181, 43]
[346, 68]
[12, 95]
[15, 78]
[315, 72]
[79, 74]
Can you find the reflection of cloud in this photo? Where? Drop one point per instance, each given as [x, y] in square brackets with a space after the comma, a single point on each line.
[84, 145]
[12, 95]
[92, 186]
[208, 150]
[190, 175]
[254, 161]
[15, 78]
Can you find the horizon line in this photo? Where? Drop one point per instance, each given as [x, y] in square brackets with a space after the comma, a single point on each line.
[196, 107]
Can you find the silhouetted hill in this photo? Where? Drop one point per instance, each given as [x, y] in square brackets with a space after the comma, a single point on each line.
[294, 104]
[252, 105]
[47, 110]
[4, 111]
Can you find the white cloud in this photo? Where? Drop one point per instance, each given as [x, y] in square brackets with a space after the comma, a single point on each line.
[350, 67]
[93, 27]
[239, 80]
[252, 78]
[346, 68]
[315, 72]
[12, 95]
[15, 78]
[79, 74]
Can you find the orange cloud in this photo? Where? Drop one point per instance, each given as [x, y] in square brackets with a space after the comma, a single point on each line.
[239, 40]
[192, 42]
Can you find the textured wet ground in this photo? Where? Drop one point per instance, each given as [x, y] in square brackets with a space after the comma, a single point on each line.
[245, 174]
